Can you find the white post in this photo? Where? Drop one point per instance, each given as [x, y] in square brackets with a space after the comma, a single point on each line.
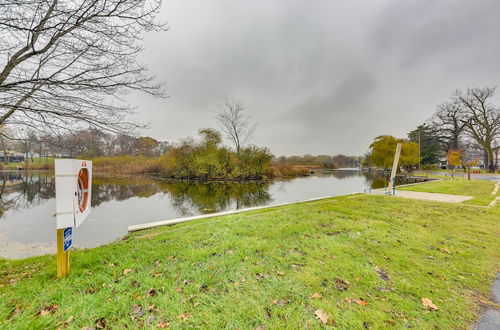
[394, 169]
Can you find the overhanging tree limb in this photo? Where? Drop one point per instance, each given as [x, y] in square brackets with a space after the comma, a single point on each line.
[74, 59]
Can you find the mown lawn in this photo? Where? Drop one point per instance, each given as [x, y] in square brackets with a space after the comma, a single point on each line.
[359, 261]
[479, 189]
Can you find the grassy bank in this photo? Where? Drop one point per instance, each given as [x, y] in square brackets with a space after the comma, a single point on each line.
[358, 261]
[128, 165]
[33, 164]
[480, 190]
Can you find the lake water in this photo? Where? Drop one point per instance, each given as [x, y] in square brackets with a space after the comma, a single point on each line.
[27, 225]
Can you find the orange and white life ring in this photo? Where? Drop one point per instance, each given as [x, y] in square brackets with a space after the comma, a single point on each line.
[83, 189]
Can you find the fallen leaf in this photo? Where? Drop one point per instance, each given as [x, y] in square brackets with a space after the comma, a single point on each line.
[151, 293]
[268, 312]
[151, 319]
[184, 316]
[280, 273]
[316, 296]
[361, 302]
[323, 317]
[163, 325]
[90, 290]
[152, 308]
[186, 299]
[126, 271]
[100, 323]
[47, 310]
[342, 284]
[156, 274]
[428, 303]
[446, 250]
[280, 302]
[17, 310]
[137, 309]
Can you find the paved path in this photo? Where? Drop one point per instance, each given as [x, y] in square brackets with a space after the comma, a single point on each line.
[426, 196]
[490, 320]
[487, 177]
[432, 196]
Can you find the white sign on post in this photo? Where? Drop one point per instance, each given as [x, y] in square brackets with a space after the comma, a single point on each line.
[73, 191]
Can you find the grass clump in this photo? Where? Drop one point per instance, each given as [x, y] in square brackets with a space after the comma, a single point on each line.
[363, 260]
[479, 189]
[126, 165]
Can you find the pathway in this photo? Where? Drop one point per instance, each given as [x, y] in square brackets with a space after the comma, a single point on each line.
[432, 196]
[490, 319]
[426, 196]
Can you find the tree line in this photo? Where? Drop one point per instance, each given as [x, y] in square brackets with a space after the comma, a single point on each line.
[86, 143]
[467, 124]
[324, 161]
[463, 130]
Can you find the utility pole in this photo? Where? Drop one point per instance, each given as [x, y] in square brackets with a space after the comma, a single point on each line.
[419, 150]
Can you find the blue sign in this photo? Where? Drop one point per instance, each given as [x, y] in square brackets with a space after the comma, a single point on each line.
[68, 235]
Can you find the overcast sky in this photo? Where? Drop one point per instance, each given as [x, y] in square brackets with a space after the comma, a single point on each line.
[321, 77]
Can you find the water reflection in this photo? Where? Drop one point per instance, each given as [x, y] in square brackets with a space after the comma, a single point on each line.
[24, 190]
[27, 222]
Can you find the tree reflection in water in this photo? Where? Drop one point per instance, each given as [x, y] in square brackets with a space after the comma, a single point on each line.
[20, 190]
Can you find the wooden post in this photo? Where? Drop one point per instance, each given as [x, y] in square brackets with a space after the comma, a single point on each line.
[394, 168]
[62, 257]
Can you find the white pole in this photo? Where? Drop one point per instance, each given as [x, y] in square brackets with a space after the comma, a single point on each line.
[394, 168]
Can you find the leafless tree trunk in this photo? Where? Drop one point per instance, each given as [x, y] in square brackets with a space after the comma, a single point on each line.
[27, 140]
[234, 123]
[67, 63]
[448, 124]
[482, 119]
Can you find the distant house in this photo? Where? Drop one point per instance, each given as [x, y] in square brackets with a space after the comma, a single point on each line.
[11, 156]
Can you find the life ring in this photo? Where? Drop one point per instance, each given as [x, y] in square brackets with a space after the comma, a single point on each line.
[83, 189]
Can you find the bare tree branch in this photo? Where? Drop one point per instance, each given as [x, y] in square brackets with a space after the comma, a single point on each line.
[68, 63]
[234, 123]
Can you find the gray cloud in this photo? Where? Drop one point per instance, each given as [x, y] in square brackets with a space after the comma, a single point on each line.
[318, 76]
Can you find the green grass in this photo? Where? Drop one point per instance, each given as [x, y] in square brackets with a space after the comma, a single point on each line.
[36, 163]
[262, 268]
[479, 189]
[436, 176]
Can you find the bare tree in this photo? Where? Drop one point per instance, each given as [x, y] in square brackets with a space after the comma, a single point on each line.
[234, 123]
[68, 63]
[27, 139]
[448, 125]
[482, 120]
